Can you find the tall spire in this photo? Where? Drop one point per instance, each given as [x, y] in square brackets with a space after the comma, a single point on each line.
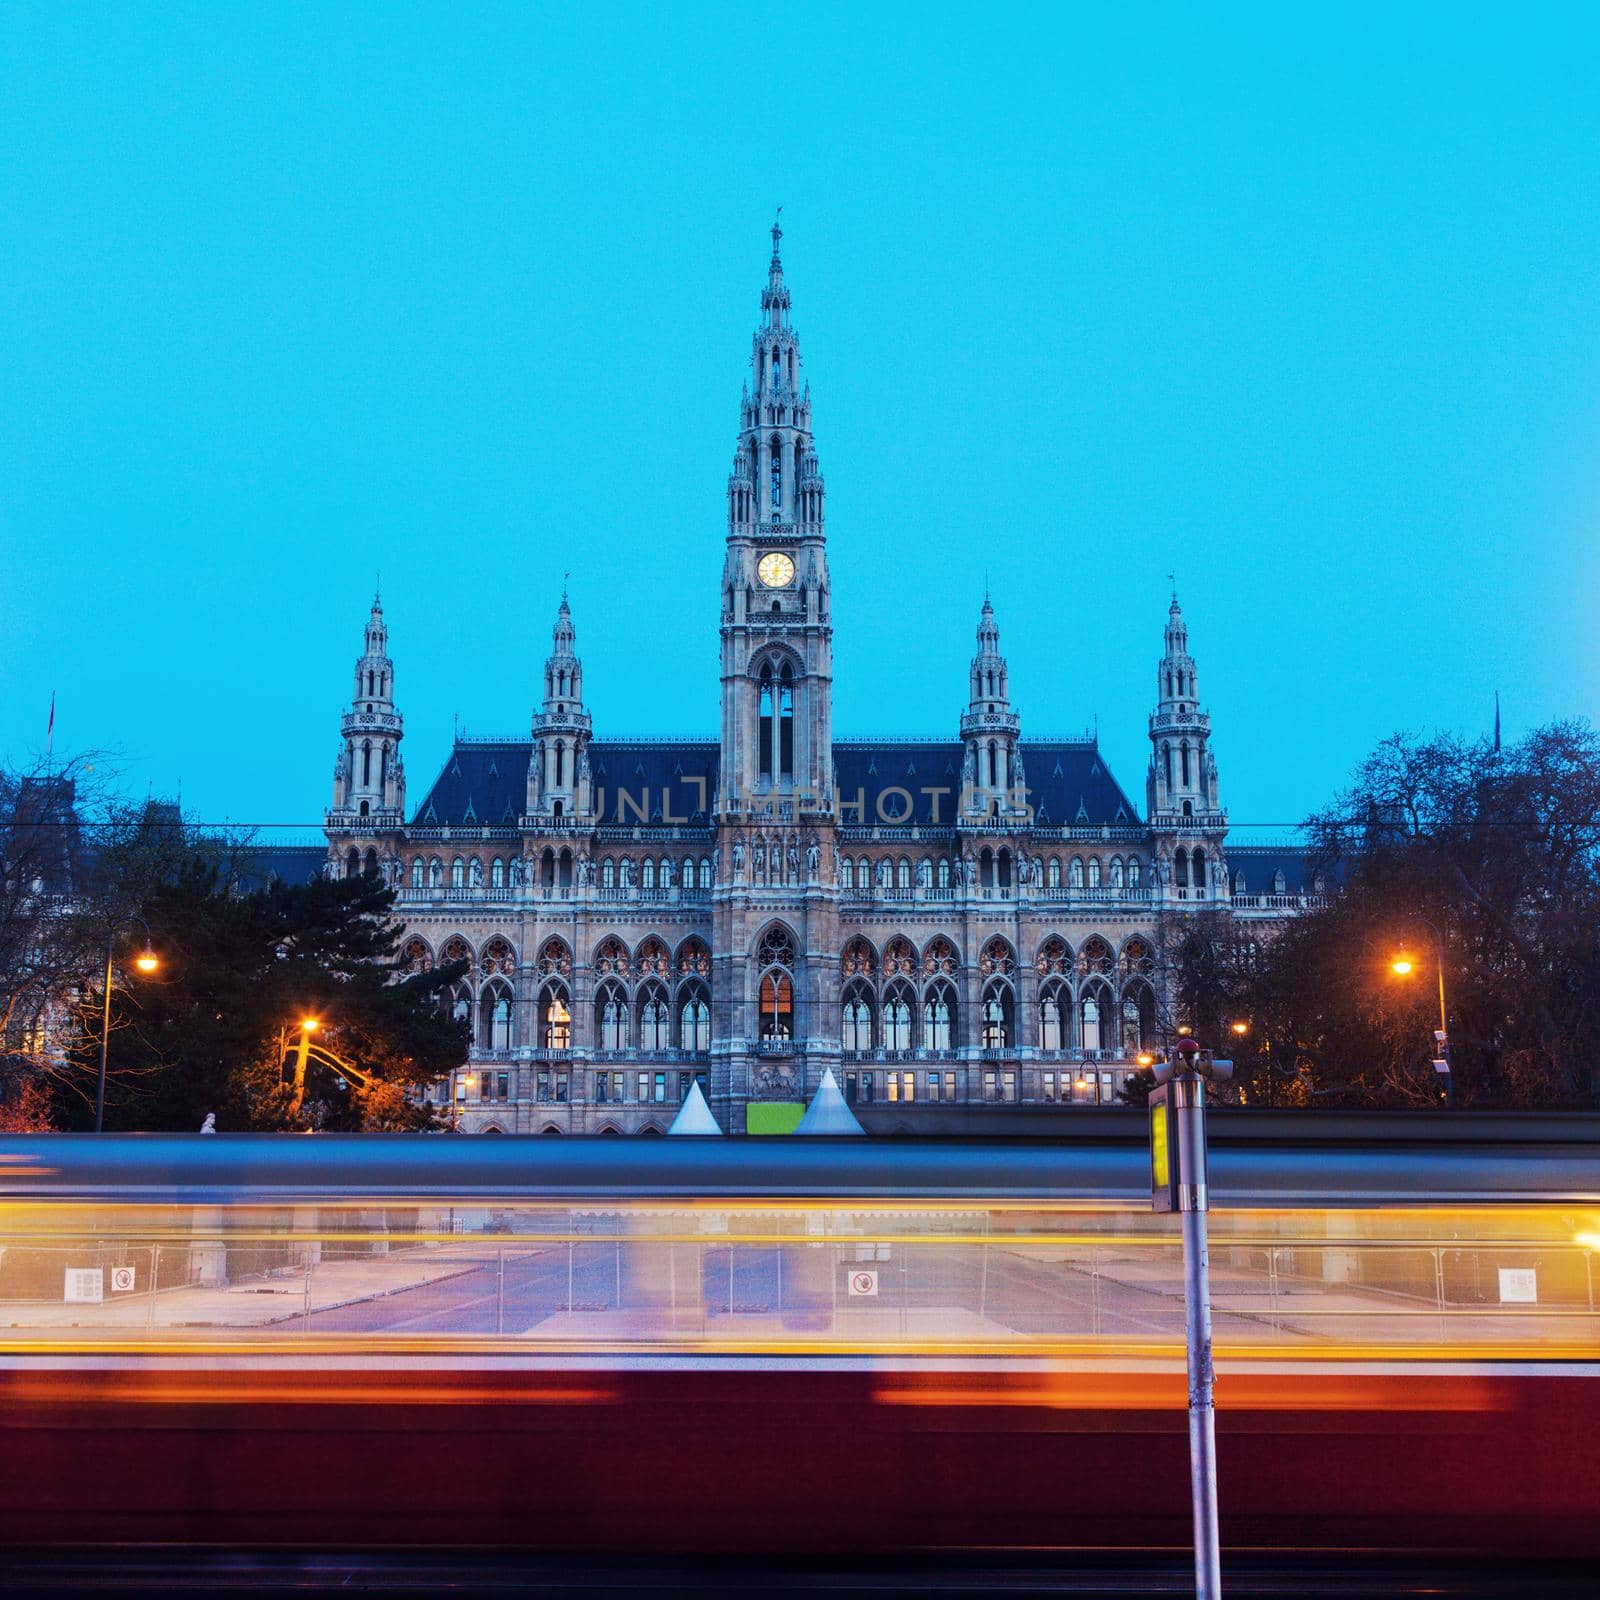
[1182, 778]
[558, 768]
[992, 776]
[369, 777]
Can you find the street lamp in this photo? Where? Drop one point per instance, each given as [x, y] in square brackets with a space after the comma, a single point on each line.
[305, 1052]
[146, 962]
[1402, 965]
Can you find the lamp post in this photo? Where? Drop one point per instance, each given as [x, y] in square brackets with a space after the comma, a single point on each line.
[306, 1052]
[146, 962]
[1402, 966]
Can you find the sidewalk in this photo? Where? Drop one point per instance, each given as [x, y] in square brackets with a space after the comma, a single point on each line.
[255, 1302]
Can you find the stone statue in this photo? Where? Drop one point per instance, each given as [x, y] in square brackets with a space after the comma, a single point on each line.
[738, 858]
[813, 861]
[475, 873]
[666, 874]
[794, 865]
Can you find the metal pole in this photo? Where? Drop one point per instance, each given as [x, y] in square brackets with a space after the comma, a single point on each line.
[1444, 1026]
[1190, 1103]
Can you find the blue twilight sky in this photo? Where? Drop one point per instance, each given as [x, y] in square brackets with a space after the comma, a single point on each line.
[1303, 306]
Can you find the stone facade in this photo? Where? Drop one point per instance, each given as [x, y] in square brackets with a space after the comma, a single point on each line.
[961, 921]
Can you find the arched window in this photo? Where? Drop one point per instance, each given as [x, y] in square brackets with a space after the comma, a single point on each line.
[1094, 872]
[611, 1018]
[608, 873]
[655, 1030]
[764, 739]
[694, 1024]
[863, 876]
[1198, 871]
[561, 762]
[458, 873]
[1091, 1022]
[1183, 750]
[1280, 884]
[705, 872]
[777, 458]
[494, 1006]
[1135, 872]
[1180, 867]
[775, 957]
[938, 1017]
[1050, 1021]
[1166, 756]
[1075, 873]
[416, 872]
[902, 879]
[497, 873]
[897, 1019]
[944, 872]
[856, 1020]
[786, 722]
[366, 762]
[647, 874]
[847, 873]
[1238, 883]
[1138, 1018]
[1053, 873]
[459, 1005]
[435, 873]
[994, 765]
[996, 1019]
[555, 1020]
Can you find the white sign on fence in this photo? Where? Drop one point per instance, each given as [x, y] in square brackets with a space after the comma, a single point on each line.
[1519, 1285]
[85, 1285]
[122, 1280]
[863, 1282]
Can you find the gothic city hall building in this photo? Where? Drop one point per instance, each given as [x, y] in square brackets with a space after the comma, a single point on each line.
[945, 923]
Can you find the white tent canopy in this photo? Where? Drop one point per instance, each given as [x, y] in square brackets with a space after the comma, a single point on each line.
[827, 1112]
[694, 1116]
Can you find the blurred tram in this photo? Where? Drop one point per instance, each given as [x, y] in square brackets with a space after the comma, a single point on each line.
[830, 1346]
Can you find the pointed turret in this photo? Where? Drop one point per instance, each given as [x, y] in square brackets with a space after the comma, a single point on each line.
[558, 770]
[369, 776]
[992, 769]
[1181, 791]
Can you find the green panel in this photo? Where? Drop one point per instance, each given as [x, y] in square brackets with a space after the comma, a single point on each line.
[773, 1116]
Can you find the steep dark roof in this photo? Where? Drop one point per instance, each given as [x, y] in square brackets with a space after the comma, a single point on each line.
[654, 780]
[1068, 783]
[1261, 863]
[288, 863]
[485, 783]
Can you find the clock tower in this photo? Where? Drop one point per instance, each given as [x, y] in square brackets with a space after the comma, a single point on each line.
[777, 672]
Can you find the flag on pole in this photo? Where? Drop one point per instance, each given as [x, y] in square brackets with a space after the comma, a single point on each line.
[1497, 722]
[50, 730]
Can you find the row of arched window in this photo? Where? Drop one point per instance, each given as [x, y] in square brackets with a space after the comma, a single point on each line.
[552, 869]
[650, 998]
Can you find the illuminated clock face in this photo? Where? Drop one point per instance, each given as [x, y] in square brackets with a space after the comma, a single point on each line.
[775, 570]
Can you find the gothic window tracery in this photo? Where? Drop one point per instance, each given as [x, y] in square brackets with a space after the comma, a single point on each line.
[494, 1010]
[1094, 957]
[612, 958]
[1094, 872]
[497, 958]
[858, 959]
[939, 958]
[1054, 958]
[555, 1019]
[652, 959]
[694, 959]
[555, 960]
[899, 958]
[855, 1031]
[775, 957]
[455, 948]
[996, 960]
[694, 1021]
[416, 957]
